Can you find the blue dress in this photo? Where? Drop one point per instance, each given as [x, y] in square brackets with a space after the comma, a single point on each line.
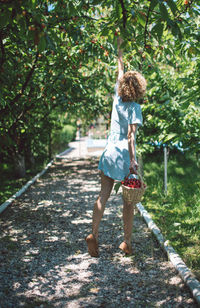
[115, 160]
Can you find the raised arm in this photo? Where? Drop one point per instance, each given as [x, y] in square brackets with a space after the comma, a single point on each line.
[120, 58]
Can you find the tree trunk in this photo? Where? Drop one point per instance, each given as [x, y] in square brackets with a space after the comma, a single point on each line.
[50, 145]
[29, 157]
[19, 166]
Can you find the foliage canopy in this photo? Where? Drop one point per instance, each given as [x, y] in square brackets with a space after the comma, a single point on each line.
[59, 57]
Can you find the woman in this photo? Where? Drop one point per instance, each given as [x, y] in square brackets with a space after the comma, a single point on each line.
[119, 156]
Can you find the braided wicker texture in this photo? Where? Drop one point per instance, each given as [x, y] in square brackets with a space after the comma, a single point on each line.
[132, 195]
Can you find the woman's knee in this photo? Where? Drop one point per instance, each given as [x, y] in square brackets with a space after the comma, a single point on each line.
[103, 196]
[106, 182]
[106, 188]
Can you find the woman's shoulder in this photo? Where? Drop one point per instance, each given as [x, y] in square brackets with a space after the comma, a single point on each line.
[133, 105]
[137, 105]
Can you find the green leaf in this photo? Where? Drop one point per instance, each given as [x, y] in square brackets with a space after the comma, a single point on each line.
[176, 30]
[185, 105]
[117, 186]
[153, 4]
[42, 44]
[72, 10]
[33, 3]
[172, 6]
[170, 137]
[158, 29]
[163, 11]
[105, 31]
[141, 19]
[4, 19]
[118, 10]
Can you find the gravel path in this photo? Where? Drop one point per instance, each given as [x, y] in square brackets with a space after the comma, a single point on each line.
[44, 260]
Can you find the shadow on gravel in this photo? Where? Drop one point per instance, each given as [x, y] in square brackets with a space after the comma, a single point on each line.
[44, 260]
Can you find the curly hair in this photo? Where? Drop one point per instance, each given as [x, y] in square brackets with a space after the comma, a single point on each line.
[132, 86]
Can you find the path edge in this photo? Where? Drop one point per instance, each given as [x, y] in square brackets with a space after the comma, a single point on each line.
[8, 202]
[186, 275]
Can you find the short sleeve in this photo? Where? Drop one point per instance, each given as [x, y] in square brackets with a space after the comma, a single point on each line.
[135, 114]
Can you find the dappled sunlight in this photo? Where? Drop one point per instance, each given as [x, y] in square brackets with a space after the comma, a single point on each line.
[44, 257]
[81, 221]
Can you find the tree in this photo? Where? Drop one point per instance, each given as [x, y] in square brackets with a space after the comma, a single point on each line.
[55, 53]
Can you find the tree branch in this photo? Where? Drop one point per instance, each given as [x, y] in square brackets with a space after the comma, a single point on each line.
[28, 77]
[2, 51]
[145, 34]
[124, 12]
[146, 25]
[186, 8]
[24, 111]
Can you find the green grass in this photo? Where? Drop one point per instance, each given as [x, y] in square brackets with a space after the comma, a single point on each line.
[177, 214]
[9, 184]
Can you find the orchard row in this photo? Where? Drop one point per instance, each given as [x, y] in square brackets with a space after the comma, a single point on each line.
[58, 64]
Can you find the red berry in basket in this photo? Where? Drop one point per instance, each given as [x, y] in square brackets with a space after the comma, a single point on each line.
[133, 183]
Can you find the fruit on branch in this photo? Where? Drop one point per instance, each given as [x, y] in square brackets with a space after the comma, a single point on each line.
[142, 13]
[31, 28]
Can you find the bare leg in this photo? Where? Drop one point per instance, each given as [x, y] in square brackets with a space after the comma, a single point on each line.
[99, 206]
[128, 215]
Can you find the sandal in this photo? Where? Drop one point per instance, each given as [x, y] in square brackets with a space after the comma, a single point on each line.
[92, 245]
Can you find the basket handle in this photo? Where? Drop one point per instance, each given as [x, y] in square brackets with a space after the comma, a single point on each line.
[139, 175]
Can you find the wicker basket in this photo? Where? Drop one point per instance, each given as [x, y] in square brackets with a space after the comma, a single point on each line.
[133, 195]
